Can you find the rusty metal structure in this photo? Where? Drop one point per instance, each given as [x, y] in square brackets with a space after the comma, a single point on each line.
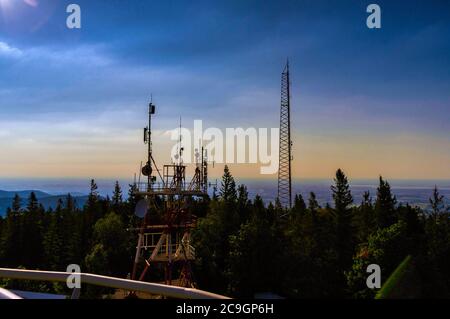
[167, 217]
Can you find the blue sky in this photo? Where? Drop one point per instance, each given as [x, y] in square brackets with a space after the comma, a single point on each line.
[373, 101]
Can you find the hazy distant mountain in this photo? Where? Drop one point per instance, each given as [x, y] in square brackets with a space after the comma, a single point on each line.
[47, 200]
[25, 194]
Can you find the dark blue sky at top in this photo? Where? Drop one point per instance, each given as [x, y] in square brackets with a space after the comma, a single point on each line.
[225, 49]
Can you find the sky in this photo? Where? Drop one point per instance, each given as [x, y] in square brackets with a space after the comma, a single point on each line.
[370, 101]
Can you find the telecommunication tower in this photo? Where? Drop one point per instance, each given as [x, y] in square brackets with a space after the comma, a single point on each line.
[167, 215]
[285, 159]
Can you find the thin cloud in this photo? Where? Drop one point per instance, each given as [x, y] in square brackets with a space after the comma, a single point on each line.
[84, 55]
[8, 51]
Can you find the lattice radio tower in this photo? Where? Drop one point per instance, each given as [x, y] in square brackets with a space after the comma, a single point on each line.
[167, 214]
[284, 171]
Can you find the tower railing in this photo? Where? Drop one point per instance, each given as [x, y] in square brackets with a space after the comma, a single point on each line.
[110, 282]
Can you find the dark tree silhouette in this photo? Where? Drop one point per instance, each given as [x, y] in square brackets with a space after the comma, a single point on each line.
[385, 205]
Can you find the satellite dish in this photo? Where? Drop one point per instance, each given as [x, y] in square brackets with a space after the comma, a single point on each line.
[141, 208]
[147, 169]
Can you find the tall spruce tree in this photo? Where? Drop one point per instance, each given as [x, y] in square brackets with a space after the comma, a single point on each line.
[12, 239]
[385, 205]
[117, 195]
[33, 251]
[228, 188]
[343, 219]
[53, 242]
[313, 204]
[93, 195]
[17, 203]
[92, 213]
[299, 208]
[437, 203]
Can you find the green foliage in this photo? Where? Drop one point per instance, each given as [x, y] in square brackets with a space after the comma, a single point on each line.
[110, 234]
[387, 248]
[53, 242]
[32, 238]
[255, 255]
[97, 261]
[244, 246]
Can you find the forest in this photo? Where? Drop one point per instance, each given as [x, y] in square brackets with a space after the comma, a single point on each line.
[245, 246]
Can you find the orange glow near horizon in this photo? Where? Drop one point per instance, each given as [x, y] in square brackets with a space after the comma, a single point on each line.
[314, 157]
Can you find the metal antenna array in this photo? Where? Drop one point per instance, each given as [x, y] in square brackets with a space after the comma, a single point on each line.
[284, 171]
[147, 169]
[167, 215]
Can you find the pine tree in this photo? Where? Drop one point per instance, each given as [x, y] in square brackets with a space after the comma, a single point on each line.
[17, 203]
[92, 213]
[93, 195]
[214, 195]
[228, 189]
[11, 241]
[437, 203]
[33, 204]
[33, 233]
[313, 218]
[343, 219]
[385, 205]
[341, 193]
[365, 218]
[278, 208]
[256, 252]
[133, 197]
[52, 243]
[243, 204]
[117, 195]
[242, 195]
[437, 228]
[367, 199]
[299, 208]
[70, 204]
[313, 204]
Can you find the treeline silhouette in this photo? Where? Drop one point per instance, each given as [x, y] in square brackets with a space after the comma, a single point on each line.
[244, 247]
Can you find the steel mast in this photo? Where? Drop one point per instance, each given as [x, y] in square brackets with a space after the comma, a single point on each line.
[285, 156]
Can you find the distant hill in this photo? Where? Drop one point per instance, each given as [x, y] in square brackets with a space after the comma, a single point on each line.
[25, 194]
[47, 200]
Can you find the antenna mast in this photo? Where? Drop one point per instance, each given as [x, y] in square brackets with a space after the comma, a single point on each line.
[168, 215]
[147, 169]
[284, 171]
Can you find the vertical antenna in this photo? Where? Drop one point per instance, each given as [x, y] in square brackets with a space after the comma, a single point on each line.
[284, 171]
[205, 169]
[180, 161]
[151, 111]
